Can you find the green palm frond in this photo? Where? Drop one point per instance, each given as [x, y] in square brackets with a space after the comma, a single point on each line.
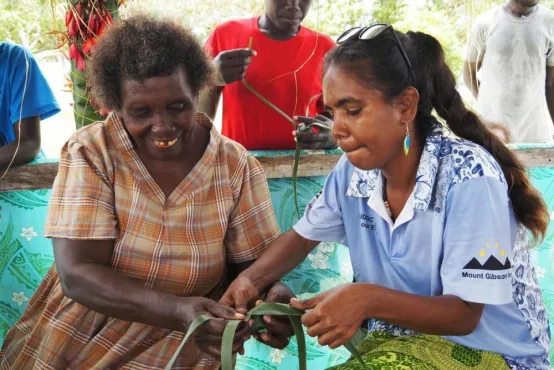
[265, 309]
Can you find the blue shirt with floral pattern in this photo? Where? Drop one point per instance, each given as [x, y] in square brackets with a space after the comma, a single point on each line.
[456, 235]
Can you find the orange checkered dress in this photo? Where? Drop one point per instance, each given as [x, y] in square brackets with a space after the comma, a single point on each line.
[221, 213]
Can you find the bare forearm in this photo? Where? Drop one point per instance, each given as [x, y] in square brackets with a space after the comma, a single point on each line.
[550, 102]
[112, 294]
[470, 79]
[441, 315]
[209, 101]
[27, 151]
[281, 256]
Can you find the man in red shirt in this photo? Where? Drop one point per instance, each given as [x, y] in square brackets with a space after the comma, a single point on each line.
[283, 65]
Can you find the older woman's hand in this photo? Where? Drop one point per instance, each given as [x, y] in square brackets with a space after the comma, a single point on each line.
[208, 335]
[242, 294]
[279, 328]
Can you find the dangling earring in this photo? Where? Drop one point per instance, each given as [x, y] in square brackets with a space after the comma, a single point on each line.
[407, 141]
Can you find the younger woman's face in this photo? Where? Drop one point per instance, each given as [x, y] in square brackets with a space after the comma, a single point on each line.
[367, 128]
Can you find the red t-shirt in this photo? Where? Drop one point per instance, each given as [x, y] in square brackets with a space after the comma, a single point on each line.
[248, 120]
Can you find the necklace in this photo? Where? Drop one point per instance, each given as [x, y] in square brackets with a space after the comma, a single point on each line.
[385, 200]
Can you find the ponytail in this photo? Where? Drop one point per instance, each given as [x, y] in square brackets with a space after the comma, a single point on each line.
[527, 203]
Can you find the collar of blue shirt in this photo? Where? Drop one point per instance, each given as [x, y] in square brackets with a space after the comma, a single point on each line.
[368, 184]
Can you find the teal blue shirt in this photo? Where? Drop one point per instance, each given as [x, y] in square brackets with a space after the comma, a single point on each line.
[23, 90]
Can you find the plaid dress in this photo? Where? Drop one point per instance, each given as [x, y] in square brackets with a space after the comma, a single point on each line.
[220, 213]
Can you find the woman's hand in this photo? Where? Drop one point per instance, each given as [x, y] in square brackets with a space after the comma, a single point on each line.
[240, 295]
[208, 336]
[279, 328]
[322, 139]
[336, 314]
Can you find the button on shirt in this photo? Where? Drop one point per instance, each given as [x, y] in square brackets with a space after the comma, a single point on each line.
[457, 235]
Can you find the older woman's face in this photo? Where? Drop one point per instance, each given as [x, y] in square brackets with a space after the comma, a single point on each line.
[159, 113]
[366, 127]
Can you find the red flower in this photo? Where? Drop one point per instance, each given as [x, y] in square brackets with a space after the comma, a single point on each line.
[101, 29]
[80, 10]
[91, 27]
[73, 27]
[68, 16]
[88, 45]
[108, 17]
[80, 61]
[73, 51]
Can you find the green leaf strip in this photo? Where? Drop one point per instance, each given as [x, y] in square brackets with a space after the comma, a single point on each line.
[265, 309]
[195, 324]
[354, 352]
[295, 175]
[227, 344]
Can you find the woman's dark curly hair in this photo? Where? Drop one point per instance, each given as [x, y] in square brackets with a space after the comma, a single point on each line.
[142, 47]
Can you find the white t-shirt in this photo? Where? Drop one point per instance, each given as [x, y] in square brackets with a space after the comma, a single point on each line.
[515, 53]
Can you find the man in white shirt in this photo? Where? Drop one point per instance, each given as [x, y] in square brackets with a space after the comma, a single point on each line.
[512, 47]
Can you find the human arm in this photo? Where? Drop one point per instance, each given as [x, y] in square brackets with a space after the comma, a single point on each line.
[470, 77]
[28, 132]
[87, 278]
[230, 67]
[337, 314]
[474, 56]
[322, 221]
[30, 100]
[84, 227]
[242, 293]
[209, 101]
[550, 90]
[467, 250]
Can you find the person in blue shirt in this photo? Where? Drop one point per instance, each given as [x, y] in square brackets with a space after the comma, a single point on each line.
[25, 100]
[437, 219]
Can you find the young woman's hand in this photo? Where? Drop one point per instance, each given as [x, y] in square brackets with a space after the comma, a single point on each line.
[335, 315]
[321, 138]
[241, 295]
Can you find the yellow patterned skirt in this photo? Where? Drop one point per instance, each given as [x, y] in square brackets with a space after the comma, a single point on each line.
[382, 351]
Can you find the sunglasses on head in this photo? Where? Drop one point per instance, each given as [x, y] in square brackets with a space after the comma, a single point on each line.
[367, 33]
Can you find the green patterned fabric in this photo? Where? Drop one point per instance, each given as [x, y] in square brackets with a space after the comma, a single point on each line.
[25, 257]
[326, 267]
[382, 351]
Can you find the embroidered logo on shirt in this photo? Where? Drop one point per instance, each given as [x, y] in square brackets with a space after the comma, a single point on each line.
[493, 263]
[368, 222]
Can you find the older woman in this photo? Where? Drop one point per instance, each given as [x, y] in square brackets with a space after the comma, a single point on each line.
[151, 214]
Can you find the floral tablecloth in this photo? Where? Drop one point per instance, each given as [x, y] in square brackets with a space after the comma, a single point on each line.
[25, 256]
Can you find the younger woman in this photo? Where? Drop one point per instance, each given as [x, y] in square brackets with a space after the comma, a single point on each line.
[436, 225]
